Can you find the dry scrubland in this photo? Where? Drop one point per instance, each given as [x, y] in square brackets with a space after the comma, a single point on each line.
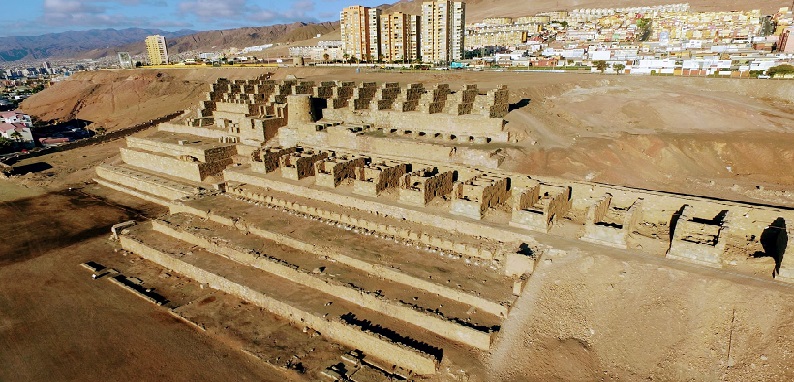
[583, 316]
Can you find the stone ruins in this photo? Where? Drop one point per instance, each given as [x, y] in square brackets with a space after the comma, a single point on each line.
[408, 245]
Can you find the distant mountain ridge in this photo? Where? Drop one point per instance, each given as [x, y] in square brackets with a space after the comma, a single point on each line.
[220, 39]
[68, 44]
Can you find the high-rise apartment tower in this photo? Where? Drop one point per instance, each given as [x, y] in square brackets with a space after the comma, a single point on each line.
[157, 50]
[399, 37]
[443, 30]
[360, 32]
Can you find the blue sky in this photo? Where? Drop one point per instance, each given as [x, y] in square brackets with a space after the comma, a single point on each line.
[37, 17]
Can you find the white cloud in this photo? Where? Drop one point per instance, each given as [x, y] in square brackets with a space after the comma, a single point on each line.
[100, 13]
[214, 9]
[242, 10]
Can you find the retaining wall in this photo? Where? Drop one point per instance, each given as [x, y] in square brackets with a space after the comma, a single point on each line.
[336, 331]
[194, 171]
[440, 326]
[146, 183]
[374, 269]
[417, 236]
[491, 232]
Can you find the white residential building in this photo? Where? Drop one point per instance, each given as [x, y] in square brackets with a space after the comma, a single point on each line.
[443, 30]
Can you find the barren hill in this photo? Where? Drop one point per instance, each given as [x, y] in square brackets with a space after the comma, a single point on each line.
[239, 38]
[477, 10]
[118, 99]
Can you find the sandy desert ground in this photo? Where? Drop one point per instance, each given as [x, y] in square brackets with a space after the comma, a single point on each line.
[583, 316]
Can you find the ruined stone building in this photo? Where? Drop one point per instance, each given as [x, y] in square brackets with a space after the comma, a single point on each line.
[436, 240]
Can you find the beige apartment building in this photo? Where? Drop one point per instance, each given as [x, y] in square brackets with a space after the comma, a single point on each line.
[443, 32]
[157, 50]
[360, 32]
[399, 37]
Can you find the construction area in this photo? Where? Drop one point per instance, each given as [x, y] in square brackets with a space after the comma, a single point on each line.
[378, 221]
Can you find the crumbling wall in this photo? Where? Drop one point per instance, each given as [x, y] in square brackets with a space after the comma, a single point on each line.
[146, 183]
[350, 201]
[434, 101]
[610, 225]
[206, 132]
[599, 209]
[202, 151]
[376, 270]
[473, 197]
[420, 187]
[299, 165]
[494, 104]
[162, 164]
[408, 99]
[462, 101]
[698, 240]
[363, 95]
[470, 128]
[376, 177]
[330, 172]
[267, 159]
[553, 203]
[341, 95]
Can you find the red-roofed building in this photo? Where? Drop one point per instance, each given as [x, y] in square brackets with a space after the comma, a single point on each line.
[15, 116]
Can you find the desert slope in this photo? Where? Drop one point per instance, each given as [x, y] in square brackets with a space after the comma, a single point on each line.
[628, 317]
[121, 98]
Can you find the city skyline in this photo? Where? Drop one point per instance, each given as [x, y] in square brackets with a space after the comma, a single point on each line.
[39, 17]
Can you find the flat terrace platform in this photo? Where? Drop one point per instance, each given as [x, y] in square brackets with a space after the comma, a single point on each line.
[239, 277]
[482, 280]
[334, 274]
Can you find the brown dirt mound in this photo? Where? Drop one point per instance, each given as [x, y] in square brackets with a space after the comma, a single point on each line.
[612, 318]
[122, 98]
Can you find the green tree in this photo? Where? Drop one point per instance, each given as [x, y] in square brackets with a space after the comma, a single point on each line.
[6, 144]
[326, 57]
[619, 68]
[601, 65]
[101, 130]
[16, 136]
[644, 29]
[346, 57]
[780, 69]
